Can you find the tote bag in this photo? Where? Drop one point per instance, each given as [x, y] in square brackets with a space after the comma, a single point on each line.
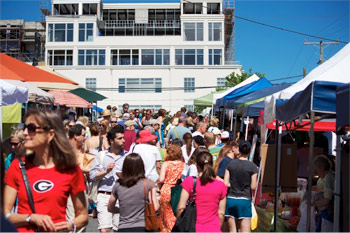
[152, 222]
[186, 222]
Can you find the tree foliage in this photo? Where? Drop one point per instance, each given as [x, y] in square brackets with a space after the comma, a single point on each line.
[234, 78]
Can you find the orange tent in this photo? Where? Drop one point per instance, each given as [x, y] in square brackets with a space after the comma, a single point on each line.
[27, 73]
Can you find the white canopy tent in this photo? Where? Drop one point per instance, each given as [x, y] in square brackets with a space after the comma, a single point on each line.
[11, 94]
[35, 94]
[336, 69]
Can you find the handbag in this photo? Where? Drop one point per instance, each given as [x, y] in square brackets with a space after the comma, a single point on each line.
[175, 193]
[151, 218]
[22, 166]
[254, 220]
[186, 222]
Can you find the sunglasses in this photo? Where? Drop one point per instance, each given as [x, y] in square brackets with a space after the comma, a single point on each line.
[14, 143]
[32, 128]
[114, 121]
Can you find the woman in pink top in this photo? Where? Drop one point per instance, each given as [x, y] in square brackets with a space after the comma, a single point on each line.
[210, 198]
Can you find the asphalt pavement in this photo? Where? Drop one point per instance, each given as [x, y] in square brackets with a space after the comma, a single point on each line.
[92, 226]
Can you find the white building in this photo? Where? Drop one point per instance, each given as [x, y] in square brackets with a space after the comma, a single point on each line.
[154, 55]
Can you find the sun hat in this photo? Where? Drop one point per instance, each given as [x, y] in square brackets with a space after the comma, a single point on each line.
[128, 123]
[216, 131]
[225, 134]
[106, 112]
[146, 136]
[126, 116]
[154, 121]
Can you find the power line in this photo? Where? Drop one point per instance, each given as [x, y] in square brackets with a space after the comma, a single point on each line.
[289, 77]
[288, 30]
[279, 28]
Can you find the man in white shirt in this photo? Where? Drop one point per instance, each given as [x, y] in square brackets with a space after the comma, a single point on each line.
[201, 129]
[149, 153]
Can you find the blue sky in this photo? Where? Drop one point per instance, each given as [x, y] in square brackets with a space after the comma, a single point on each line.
[276, 53]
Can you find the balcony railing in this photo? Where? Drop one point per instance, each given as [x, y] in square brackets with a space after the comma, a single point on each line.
[118, 24]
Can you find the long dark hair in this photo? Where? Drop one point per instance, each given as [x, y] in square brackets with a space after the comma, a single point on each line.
[187, 138]
[196, 152]
[133, 170]
[60, 148]
[205, 165]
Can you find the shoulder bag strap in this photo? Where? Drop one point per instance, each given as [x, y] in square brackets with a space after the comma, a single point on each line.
[176, 134]
[150, 188]
[194, 193]
[144, 190]
[27, 184]
[100, 144]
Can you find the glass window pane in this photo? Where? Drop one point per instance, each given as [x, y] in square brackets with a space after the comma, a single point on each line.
[124, 57]
[147, 56]
[189, 31]
[178, 56]
[199, 56]
[166, 57]
[199, 31]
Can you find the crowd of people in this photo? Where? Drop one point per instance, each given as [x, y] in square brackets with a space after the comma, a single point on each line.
[109, 168]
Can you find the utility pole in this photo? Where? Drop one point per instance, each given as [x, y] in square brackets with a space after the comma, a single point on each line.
[321, 43]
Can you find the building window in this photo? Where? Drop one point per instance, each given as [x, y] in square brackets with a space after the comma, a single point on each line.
[140, 85]
[65, 9]
[155, 56]
[91, 57]
[60, 57]
[86, 31]
[90, 83]
[193, 31]
[221, 82]
[125, 57]
[89, 9]
[213, 8]
[192, 8]
[189, 108]
[189, 85]
[215, 56]
[189, 56]
[60, 32]
[214, 31]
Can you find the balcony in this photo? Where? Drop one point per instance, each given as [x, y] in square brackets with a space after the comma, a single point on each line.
[131, 28]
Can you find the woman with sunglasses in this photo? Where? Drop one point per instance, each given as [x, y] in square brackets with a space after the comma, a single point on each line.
[17, 138]
[53, 174]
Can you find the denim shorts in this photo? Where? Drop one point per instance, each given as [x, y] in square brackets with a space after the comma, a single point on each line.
[238, 208]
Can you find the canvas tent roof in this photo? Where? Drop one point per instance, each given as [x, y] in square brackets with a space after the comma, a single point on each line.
[258, 94]
[336, 69]
[35, 95]
[252, 78]
[27, 72]
[11, 94]
[206, 100]
[319, 96]
[88, 95]
[249, 88]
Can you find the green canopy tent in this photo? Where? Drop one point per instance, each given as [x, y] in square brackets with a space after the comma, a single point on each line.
[88, 95]
[206, 100]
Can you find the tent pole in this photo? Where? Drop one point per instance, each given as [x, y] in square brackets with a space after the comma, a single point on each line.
[231, 115]
[212, 111]
[309, 183]
[278, 168]
[235, 128]
[337, 186]
[0, 121]
[246, 129]
[223, 118]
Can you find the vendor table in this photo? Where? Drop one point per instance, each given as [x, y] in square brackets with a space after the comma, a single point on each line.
[265, 222]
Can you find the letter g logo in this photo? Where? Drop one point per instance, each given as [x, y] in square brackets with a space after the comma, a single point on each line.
[42, 186]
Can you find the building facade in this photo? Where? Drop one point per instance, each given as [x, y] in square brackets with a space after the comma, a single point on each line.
[154, 55]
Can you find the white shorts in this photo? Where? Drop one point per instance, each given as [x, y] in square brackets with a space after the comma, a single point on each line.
[106, 219]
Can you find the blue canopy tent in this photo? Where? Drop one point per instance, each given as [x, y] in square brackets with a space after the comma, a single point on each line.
[342, 162]
[98, 109]
[343, 97]
[318, 97]
[233, 103]
[251, 87]
[253, 110]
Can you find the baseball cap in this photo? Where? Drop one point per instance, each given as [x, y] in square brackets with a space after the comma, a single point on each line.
[225, 134]
[216, 131]
[129, 123]
[243, 144]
